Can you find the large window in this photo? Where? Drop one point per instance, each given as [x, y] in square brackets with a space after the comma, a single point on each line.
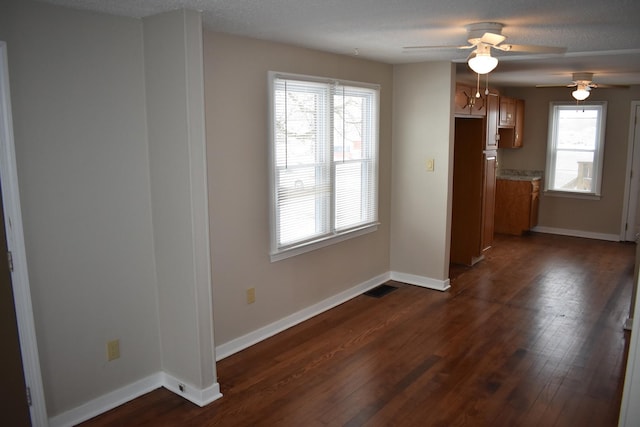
[575, 149]
[324, 162]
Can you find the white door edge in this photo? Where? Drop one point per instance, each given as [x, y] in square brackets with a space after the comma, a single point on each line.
[15, 244]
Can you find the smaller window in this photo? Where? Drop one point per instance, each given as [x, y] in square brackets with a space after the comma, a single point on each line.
[575, 148]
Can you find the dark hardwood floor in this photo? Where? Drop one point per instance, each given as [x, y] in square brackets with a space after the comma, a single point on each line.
[531, 336]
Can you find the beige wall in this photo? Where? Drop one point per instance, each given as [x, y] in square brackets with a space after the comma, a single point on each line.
[602, 216]
[237, 143]
[78, 97]
[421, 202]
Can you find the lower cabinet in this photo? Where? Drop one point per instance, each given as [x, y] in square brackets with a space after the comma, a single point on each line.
[516, 208]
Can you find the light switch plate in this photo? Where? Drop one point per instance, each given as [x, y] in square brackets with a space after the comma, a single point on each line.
[429, 165]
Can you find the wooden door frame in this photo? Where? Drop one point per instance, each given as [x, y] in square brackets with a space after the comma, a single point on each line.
[632, 184]
[15, 244]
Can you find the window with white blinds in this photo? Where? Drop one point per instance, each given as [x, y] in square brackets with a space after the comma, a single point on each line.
[324, 162]
[575, 149]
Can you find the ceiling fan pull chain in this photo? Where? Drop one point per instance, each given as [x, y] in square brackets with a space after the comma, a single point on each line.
[486, 89]
[478, 87]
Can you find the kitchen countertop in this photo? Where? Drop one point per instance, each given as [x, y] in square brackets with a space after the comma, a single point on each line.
[519, 175]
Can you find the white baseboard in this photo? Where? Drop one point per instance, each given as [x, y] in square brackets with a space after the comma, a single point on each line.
[203, 397]
[107, 401]
[129, 392]
[577, 233]
[425, 282]
[193, 394]
[240, 343]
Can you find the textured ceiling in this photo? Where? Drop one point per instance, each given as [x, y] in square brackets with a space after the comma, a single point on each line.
[601, 36]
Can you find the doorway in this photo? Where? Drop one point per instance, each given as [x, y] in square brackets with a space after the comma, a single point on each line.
[468, 172]
[14, 236]
[13, 393]
[630, 223]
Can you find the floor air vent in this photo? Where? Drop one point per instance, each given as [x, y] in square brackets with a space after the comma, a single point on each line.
[380, 291]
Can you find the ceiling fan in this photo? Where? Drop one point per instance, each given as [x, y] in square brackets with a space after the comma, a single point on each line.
[484, 36]
[583, 82]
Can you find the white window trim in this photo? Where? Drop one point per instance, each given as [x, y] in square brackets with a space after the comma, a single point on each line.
[327, 241]
[277, 254]
[598, 160]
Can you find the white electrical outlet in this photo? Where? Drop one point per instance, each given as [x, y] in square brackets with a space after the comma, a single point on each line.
[113, 350]
[251, 295]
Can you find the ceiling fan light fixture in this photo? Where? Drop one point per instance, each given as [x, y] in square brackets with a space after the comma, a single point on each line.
[481, 61]
[483, 64]
[581, 93]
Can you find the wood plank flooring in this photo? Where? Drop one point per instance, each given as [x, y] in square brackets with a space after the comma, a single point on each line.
[531, 336]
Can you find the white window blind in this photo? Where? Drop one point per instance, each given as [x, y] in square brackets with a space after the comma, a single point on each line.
[324, 160]
[575, 148]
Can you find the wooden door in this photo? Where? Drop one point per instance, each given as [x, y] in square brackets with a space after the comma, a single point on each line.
[492, 135]
[14, 409]
[519, 123]
[488, 199]
[507, 111]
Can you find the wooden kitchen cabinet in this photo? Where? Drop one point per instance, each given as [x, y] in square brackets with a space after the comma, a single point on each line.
[474, 190]
[474, 181]
[488, 199]
[516, 208]
[507, 111]
[492, 135]
[511, 137]
[467, 104]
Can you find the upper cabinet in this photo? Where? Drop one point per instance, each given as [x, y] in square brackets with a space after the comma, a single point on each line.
[492, 135]
[511, 123]
[507, 111]
[466, 103]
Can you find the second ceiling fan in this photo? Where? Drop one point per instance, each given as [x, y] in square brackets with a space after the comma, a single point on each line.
[583, 82]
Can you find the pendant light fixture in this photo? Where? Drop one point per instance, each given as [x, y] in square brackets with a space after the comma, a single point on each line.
[581, 93]
[481, 61]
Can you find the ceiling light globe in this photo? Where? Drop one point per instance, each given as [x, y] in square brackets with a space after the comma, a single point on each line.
[483, 63]
[580, 94]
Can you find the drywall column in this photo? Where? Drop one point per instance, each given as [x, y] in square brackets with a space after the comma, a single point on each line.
[421, 198]
[177, 155]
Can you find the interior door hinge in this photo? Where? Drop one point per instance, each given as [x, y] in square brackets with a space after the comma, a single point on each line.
[10, 259]
[29, 401]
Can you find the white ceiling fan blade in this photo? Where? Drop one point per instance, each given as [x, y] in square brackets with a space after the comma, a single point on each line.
[601, 86]
[409, 48]
[531, 48]
[569, 85]
[492, 39]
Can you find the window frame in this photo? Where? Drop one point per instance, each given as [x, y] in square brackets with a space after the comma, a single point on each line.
[598, 162]
[334, 235]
